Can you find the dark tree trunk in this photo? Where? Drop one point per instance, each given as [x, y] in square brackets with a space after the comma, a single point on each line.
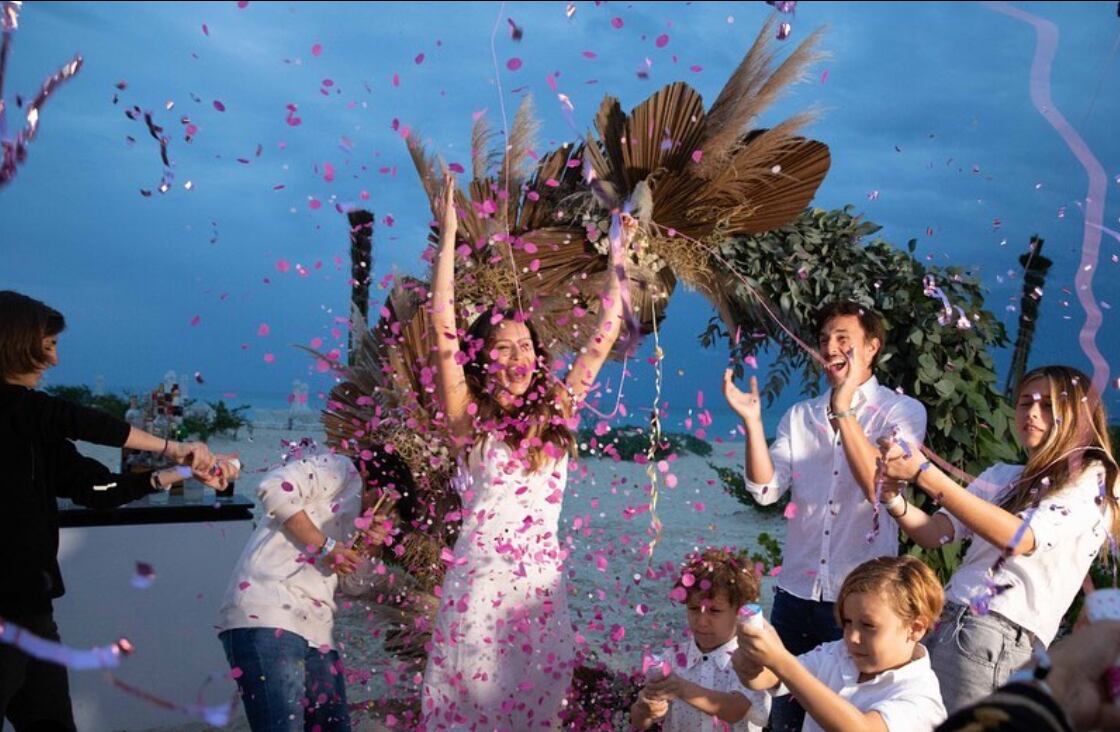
[1035, 267]
[361, 267]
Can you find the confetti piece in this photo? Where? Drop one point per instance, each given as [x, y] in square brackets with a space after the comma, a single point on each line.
[513, 64]
[196, 320]
[317, 49]
[219, 106]
[662, 40]
[144, 577]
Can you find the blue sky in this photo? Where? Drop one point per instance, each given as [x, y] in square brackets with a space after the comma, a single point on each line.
[926, 103]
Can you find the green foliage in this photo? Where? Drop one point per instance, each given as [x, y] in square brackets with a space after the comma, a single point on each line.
[223, 421]
[822, 257]
[771, 554]
[625, 442]
[731, 479]
[81, 394]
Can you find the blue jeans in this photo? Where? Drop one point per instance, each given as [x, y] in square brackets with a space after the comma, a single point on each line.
[802, 625]
[287, 685]
[973, 655]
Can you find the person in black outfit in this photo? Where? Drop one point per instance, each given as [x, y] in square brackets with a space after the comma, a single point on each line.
[42, 464]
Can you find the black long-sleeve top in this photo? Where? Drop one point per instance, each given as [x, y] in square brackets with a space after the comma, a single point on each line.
[39, 463]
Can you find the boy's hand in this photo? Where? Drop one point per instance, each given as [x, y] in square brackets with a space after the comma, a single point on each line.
[666, 689]
[656, 708]
[760, 645]
[342, 560]
[369, 541]
[744, 667]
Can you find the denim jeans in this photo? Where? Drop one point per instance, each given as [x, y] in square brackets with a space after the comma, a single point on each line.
[287, 685]
[802, 625]
[973, 655]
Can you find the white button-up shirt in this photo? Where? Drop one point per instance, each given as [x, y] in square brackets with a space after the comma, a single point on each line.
[907, 698]
[827, 535]
[1069, 529]
[712, 670]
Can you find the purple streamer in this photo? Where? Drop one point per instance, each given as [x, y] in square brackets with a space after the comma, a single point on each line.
[1045, 49]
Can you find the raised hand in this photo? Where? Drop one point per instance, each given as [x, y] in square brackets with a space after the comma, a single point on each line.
[746, 404]
[445, 208]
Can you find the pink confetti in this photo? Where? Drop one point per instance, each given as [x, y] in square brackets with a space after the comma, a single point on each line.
[243, 585]
[791, 510]
[513, 64]
[196, 320]
[616, 22]
[269, 358]
[662, 40]
[314, 203]
[219, 106]
[205, 30]
[317, 49]
[283, 265]
[698, 507]
[419, 59]
[263, 330]
[328, 172]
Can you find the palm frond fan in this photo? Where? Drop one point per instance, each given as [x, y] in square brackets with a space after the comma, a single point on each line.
[533, 234]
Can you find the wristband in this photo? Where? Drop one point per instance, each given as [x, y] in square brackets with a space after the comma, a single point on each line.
[163, 452]
[327, 548]
[893, 503]
[849, 412]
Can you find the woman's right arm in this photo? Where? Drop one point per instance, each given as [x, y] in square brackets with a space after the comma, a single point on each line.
[451, 381]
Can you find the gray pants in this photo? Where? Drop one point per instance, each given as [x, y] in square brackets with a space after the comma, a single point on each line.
[973, 655]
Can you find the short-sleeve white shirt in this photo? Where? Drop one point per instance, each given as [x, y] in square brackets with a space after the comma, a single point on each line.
[712, 670]
[1069, 526]
[907, 698]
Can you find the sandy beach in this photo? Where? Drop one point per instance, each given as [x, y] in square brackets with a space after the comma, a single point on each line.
[605, 520]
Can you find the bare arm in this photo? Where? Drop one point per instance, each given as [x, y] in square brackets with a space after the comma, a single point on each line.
[825, 706]
[987, 520]
[728, 706]
[451, 381]
[594, 354]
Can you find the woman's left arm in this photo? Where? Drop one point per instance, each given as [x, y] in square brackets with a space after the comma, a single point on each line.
[594, 354]
[987, 520]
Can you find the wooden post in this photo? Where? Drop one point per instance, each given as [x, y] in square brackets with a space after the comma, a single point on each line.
[361, 267]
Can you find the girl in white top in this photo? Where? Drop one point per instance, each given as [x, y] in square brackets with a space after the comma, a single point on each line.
[277, 618]
[878, 678]
[1035, 531]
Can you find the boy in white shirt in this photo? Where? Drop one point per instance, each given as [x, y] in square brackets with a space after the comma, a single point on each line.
[878, 678]
[277, 619]
[701, 692]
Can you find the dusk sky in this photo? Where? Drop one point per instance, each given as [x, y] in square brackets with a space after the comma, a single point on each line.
[926, 108]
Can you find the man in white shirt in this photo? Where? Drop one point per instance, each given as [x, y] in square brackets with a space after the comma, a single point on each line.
[825, 453]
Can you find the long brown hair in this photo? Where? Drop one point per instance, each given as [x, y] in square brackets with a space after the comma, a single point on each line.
[537, 418]
[1078, 435]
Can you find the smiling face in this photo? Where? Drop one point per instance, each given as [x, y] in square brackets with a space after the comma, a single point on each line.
[711, 620]
[841, 339]
[1034, 413]
[512, 358]
[876, 637]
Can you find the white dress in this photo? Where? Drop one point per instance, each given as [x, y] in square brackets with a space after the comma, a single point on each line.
[502, 646]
